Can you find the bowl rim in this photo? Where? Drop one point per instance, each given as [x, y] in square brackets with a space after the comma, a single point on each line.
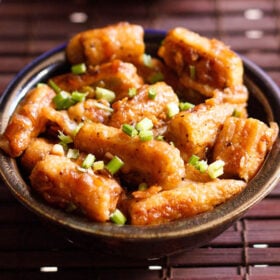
[231, 210]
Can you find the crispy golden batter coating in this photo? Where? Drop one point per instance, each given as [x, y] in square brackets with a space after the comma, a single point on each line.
[243, 145]
[195, 131]
[27, 122]
[59, 181]
[135, 109]
[154, 162]
[188, 199]
[202, 64]
[122, 41]
[115, 75]
[37, 150]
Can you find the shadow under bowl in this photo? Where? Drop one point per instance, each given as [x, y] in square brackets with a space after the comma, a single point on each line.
[143, 241]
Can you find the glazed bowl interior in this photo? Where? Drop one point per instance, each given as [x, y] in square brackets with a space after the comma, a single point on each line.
[264, 104]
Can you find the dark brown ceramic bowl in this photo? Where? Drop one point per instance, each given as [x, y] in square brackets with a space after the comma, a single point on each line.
[143, 241]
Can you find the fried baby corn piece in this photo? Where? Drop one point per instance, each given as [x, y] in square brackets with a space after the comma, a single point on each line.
[58, 180]
[186, 200]
[122, 41]
[154, 162]
[37, 150]
[115, 75]
[243, 144]
[194, 131]
[27, 121]
[202, 64]
[133, 110]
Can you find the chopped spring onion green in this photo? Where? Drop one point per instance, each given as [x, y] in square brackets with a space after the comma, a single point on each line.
[103, 107]
[193, 160]
[88, 161]
[172, 109]
[54, 86]
[156, 77]
[103, 93]
[73, 153]
[129, 130]
[202, 166]
[146, 135]
[216, 169]
[118, 218]
[63, 100]
[65, 139]
[132, 92]
[147, 60]
[114, 165]
[152, 93]
[81, 169]
[185, 106]
[80, 68]
[142, 186]
[98, 165]
[144, 124]
[77, 129]
[192, 71]
[78, 96]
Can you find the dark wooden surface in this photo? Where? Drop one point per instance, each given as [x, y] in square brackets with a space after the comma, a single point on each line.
[249, 250]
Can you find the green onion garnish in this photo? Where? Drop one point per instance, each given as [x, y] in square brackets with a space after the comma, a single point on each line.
[185, 106]
[77, 129]
[73, 153]
[104, 107]
[144, 124]
[147, 60]
[80, 68]
[216, 169]
[146, 135]
[172, 109]
[132, 92]
[98, 165]
[114, 165]
[152, 93]
[202, 166]
[65, 139]
[192, 71]
[156, 77]
[88, 161]
[54, 86]
[103, 93]
[63, 100]
[118, 218]
[193, 160]
[129, 130]
[78, 96]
